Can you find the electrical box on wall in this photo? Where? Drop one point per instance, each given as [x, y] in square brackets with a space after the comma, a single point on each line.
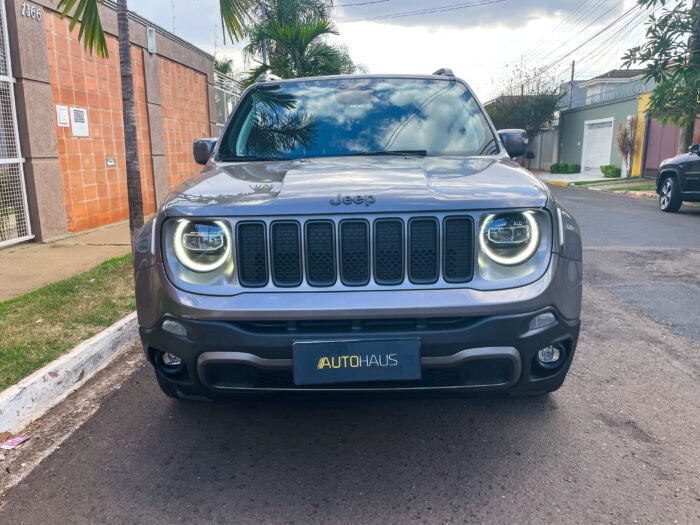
[62, 116]
[79, 122]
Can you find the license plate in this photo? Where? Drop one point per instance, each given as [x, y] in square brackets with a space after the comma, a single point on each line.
[327, 362]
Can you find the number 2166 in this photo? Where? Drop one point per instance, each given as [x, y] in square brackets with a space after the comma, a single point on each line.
[31, 11]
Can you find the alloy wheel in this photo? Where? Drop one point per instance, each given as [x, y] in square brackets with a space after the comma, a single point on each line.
[666, 194]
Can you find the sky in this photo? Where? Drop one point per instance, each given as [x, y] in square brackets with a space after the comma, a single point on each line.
[482, 41]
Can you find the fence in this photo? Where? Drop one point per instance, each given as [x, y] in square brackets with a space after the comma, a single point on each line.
[227, 91]
[14, 216]
[625, 91]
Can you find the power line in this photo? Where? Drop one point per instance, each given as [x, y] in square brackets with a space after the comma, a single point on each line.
[361, 3]
[602, 31]
[560, 44]
[570, 21]
[453, 7]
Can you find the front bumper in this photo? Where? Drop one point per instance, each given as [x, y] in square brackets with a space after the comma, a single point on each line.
[469, 339]
[484, 353]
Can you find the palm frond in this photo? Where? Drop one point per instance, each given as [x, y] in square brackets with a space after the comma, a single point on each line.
[235, 14]
[91, 33]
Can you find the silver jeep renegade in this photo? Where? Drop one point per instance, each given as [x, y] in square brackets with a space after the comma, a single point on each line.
[359, 233]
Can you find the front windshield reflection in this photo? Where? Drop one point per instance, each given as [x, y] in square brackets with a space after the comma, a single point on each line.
[357, 116]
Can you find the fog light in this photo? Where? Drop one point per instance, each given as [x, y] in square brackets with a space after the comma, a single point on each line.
[542, 320]
[174, 327]
[170, 360]
[549, 355]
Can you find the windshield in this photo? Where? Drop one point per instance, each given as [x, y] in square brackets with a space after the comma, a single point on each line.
[327, 118]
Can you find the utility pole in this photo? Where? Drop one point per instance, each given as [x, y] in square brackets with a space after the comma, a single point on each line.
[264, 42]
[687, 134]
[571, 85]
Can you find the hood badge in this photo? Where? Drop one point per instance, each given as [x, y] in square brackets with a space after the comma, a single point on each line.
[367, 200]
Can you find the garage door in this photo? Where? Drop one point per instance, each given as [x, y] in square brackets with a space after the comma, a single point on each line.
[597, 144]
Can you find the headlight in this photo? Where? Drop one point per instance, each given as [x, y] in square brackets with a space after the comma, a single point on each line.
[202, 246]
[510, 238]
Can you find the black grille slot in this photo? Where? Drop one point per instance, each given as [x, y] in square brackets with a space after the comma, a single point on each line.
[388, 251]
[252, 254]
[458, 242]
[320, 253]
[354, 252]
[286, 253]
[423, 251]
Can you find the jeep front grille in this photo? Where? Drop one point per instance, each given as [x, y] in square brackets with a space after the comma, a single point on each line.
[355, 252]
[252, 253]
[320, 253]
[388, 252]
[286, 253]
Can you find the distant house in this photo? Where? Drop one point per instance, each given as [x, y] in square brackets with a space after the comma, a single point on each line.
[542, 149]
[589, 120]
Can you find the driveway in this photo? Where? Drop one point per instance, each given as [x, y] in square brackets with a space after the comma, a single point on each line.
[620, 442]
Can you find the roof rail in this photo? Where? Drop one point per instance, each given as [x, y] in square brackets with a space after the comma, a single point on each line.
[268, 77]
[444, 72]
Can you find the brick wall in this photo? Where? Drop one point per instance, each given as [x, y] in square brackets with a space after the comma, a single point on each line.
[185, 117]
[95, 194]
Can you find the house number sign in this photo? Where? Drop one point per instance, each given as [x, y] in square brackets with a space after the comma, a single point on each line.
[31, 11]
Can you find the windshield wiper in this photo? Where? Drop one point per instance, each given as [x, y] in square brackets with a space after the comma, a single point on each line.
[392, 153]
[492, 141]
[251, 158]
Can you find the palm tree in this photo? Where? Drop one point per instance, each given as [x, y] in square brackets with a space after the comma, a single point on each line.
[294, 32]
[234, 14]
[295, 50]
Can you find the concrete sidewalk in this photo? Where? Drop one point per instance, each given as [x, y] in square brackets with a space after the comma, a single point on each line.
[26, 267]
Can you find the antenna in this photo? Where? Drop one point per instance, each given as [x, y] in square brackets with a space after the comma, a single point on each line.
[216, 37]
[172, 8]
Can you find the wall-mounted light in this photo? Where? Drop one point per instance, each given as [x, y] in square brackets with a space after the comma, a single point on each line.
[151, 39]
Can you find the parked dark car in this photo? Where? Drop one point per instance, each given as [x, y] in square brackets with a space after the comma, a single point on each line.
[678, 180]
[359, 233]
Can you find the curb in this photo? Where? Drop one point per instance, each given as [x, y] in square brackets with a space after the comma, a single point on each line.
[637, 194]
[558, 182]
[34, 395]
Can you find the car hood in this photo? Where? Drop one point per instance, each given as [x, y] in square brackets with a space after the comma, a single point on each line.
[373, 185]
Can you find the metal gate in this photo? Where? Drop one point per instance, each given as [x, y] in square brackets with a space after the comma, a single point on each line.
[14, 215]
[226, 94]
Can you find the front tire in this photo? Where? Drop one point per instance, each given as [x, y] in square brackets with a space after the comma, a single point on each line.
[670, 196]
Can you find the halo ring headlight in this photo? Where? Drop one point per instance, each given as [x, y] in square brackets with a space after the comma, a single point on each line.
[510, 239]
[208, 251]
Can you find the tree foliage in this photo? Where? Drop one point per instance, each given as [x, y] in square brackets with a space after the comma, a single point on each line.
[527, 101]
[295, 32]
[672, 60]
[235, 15]
[91, 33]
[223, 65]
[626, 136]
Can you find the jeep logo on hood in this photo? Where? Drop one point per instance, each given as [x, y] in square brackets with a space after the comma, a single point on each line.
[367, 200]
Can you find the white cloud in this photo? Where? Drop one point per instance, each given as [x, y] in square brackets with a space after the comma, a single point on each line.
[480, 44]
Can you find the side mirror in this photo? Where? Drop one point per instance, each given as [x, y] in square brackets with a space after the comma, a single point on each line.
[202, 150]
[695, 148]
[515, 141]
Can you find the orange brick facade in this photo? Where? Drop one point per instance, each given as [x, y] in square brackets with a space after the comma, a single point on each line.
[95, 194]
[185, 117]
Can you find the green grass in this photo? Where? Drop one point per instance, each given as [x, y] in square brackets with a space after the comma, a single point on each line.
[645, 187]
[40, 326]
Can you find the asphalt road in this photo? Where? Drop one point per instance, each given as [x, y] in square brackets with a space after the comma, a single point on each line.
[619, 443]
